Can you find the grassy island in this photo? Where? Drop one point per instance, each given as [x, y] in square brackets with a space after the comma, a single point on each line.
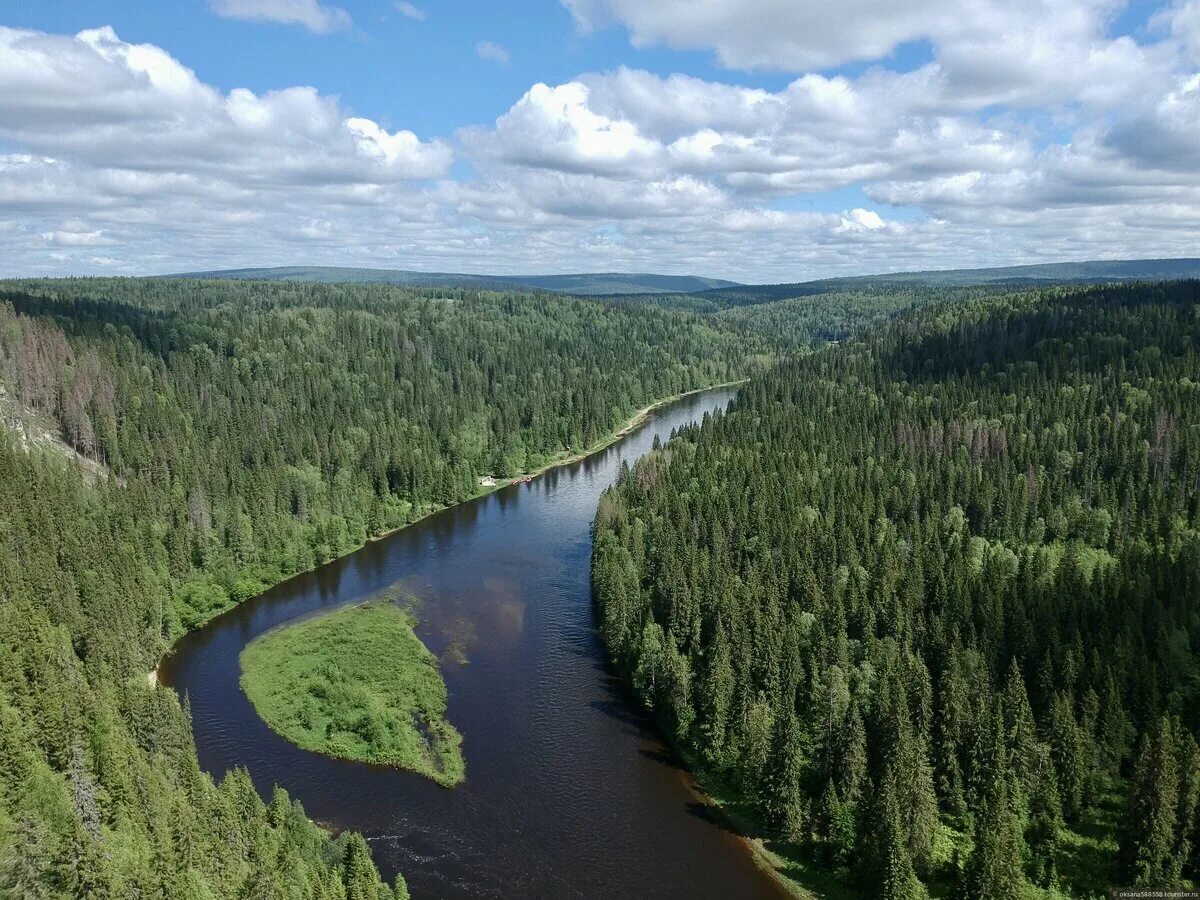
[356, 684]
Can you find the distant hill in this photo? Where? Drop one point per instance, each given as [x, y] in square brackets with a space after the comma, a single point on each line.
[1094, 271]
[713, 294]
[584, 284]
[1100, 270]
[1091, 272]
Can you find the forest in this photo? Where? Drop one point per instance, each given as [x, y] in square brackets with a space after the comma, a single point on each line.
[169, 448]
[923, 608]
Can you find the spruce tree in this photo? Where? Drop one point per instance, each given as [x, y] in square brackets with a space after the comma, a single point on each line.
[1151, 837]
[783, 798]
[994, 868]
[894, 877]
[361, 879]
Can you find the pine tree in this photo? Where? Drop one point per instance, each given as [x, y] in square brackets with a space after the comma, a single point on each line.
[1188, 842]
[837, 826]
[1020, 729]
[851, 765]
[1068, 753]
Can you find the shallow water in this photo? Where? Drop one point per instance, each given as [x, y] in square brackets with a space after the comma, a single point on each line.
[569, 792]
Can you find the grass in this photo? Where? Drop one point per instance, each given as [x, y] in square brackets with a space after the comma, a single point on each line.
[356, 684]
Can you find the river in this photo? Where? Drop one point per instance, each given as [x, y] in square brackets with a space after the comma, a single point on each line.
[570, 792]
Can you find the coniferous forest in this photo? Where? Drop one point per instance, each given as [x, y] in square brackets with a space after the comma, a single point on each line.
[170, 448]
[923, 608]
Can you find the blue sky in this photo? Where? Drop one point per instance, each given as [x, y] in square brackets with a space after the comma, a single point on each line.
[759, 140]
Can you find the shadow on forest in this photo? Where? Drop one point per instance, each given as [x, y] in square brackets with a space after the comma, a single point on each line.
[1088, 853]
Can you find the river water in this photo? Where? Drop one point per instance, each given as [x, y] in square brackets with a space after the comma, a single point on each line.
[570, 792]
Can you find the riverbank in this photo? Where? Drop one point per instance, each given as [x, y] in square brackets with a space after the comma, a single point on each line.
[635, 422]
[791, 871]
[564, 459]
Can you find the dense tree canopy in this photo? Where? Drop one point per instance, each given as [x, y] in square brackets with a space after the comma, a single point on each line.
[270, 427]
[928, 602]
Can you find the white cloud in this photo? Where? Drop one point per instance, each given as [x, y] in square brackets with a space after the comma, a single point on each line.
[862, 220]
[991, 51]
[1182, 21]
[793, 35]
[556, 128]
[74, 238]
[492, 51]
[1020, 139]
[817, 134]
[133, 108]
[310, 14]
[120, 144]
[409, 11]
[1164, 134]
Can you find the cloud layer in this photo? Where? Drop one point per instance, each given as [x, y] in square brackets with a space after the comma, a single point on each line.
[1029, 133]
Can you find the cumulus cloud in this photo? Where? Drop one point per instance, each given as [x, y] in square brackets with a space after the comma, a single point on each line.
[792, 35]
[74, 238]
[121, 144]
[803, 35]
[1029, 123]
[556, 128]
[316, 17]
[1182, 21]
[1167, 134]
[817, 134]
[99, 101]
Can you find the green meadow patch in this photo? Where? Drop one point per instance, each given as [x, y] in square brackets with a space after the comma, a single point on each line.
[356, 684]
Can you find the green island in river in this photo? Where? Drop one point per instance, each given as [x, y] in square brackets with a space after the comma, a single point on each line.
[356, 684]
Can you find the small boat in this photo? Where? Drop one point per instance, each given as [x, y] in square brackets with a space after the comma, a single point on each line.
[524, 479]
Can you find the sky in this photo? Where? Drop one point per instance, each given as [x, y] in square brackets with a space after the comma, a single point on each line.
[755, 140]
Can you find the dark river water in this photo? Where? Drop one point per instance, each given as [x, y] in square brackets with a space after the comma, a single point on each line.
[569, 790]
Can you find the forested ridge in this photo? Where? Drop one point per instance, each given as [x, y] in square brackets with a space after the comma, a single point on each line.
[580, 284]
[898, 284]
[816, 319]
[925, 606]
[813, 314]
[227, 436]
